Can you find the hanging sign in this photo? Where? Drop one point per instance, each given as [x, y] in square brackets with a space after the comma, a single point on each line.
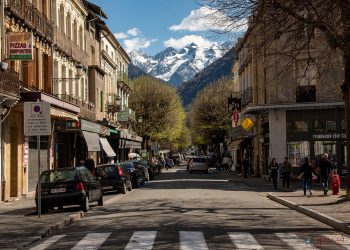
[247, 124]
[37, 118]
[20, 46]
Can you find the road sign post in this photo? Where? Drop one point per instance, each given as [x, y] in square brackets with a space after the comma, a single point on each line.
[37, 122]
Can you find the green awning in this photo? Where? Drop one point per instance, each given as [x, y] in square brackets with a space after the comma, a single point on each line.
[114, 131]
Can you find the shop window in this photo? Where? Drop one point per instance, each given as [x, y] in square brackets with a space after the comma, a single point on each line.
[297, 151]
[297, 126]
[329, 147]
[325, 126]
[343, 125]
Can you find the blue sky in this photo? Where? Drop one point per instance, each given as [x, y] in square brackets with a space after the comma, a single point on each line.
[153, 25]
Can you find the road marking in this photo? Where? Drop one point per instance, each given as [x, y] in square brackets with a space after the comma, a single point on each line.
[244, 241]
[91, 241]
[142, 240]
[48, 242]
[337, 238]
[295, 242]
[190, 240]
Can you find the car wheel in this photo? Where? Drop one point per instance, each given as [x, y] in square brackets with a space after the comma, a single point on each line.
[190, 171]
[100, 201]
[44, 209]
[124, 188]
[85, 205]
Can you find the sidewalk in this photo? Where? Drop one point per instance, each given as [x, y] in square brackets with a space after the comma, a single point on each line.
[21, 226]
[331, 209]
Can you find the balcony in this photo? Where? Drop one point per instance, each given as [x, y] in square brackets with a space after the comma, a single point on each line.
[9, 82]
[126, 114]
[247, 96]
[123, 81]
[306, 93]
[87, 109]
[32, 17]
[70, 48]
[112, 103]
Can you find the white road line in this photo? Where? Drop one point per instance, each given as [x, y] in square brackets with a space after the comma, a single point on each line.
[337, 238]
[244, 241]
[142, 240]
[91, 241]
[190, 240]
[295, 242]
[48, 242]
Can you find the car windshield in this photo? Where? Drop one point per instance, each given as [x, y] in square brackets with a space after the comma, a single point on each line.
[128, 165]
[200, 160]
[50, 176]
[109, 170]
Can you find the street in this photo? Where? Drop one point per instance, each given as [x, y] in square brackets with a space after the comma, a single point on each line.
[179, 210]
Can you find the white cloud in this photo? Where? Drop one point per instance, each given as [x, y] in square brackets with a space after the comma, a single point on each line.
[183, 41]
[134, 32]
[120, 35]
[137, 43]
[206, 19]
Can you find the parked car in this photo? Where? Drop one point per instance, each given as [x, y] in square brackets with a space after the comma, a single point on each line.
[114, 177]
[69, 186]
[199, 163]
[139, 164]
[136, 173]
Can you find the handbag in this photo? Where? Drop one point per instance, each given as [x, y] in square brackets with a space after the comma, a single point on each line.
[301, 176]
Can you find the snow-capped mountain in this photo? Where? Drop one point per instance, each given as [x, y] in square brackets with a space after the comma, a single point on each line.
[176, 66]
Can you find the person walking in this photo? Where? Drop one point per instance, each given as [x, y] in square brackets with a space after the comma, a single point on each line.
[245, 164]
[274, 172]
[286, 172]
[306, 173]
[326, 169]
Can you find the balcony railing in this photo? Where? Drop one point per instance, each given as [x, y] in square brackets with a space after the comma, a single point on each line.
[9, 82]
[87, 109]
[247, 96]
[112, 103]
[26, 11]
[126, 114]
[123, 79]
[70, 48]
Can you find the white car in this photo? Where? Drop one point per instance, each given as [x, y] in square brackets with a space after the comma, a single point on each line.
[199, 163]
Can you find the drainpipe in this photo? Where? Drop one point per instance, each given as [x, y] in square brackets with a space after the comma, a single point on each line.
[2, 175]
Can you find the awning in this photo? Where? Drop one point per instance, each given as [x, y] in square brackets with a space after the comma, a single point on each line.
[92, 141]
[234, 144]
[63, 114]
[291, 106]
[107, 147]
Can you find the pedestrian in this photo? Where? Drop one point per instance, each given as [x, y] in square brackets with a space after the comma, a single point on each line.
[326, 168]
[274, 172]
[225, 161]
[306, 175]
[245, 164]
[239, 166]
[286, 171]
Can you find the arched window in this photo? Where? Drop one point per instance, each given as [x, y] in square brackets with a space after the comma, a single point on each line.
[61, 22]
[75, 32]
[69, 26]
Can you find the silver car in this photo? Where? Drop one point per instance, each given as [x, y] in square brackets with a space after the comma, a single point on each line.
[199, 163]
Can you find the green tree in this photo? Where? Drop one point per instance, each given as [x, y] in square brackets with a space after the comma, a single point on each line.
[210, 119]
[159, 106]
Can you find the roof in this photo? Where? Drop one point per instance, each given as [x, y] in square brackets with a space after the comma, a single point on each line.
[96, 9]
[291, 106]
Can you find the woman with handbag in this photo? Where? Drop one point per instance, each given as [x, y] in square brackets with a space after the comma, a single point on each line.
[306, 175]
[274, 172]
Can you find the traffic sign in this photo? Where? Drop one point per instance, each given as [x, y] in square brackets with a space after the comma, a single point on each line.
[37, 118]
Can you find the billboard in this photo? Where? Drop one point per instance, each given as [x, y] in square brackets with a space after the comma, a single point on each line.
[20, 46]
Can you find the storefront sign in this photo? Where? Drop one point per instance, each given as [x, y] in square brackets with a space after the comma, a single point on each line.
[37, 118]
[20, 45]
[235, 118]
[72, 125]
[339, 136]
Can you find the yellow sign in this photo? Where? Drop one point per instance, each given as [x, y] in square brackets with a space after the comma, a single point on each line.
[247, 124]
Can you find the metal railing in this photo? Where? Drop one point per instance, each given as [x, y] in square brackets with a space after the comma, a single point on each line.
[70, 48]
[123, 78]
[37, 20]
[112, 103]
[9, 82]
[87, 109]
[126, 114]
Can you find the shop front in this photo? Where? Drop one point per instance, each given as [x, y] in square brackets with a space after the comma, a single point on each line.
[128, 143]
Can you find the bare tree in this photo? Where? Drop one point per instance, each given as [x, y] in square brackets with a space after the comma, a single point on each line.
[301, 25]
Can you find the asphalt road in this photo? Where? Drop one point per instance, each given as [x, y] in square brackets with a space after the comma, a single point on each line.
[198, 211]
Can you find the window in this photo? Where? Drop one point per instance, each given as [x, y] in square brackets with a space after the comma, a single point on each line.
[297, 126]
[343, 125]
[297, 151]
[328, 147]
[306, 73]
[325, 126]
[101, 101]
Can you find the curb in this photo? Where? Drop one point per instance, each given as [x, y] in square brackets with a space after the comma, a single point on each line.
[48, 231]
[330, 221]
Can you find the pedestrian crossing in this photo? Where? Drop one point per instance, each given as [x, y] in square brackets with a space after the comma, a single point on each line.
[197, 240]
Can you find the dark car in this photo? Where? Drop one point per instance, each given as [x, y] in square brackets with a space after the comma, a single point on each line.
[114, 177]
[136, 173]
[69, 186]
